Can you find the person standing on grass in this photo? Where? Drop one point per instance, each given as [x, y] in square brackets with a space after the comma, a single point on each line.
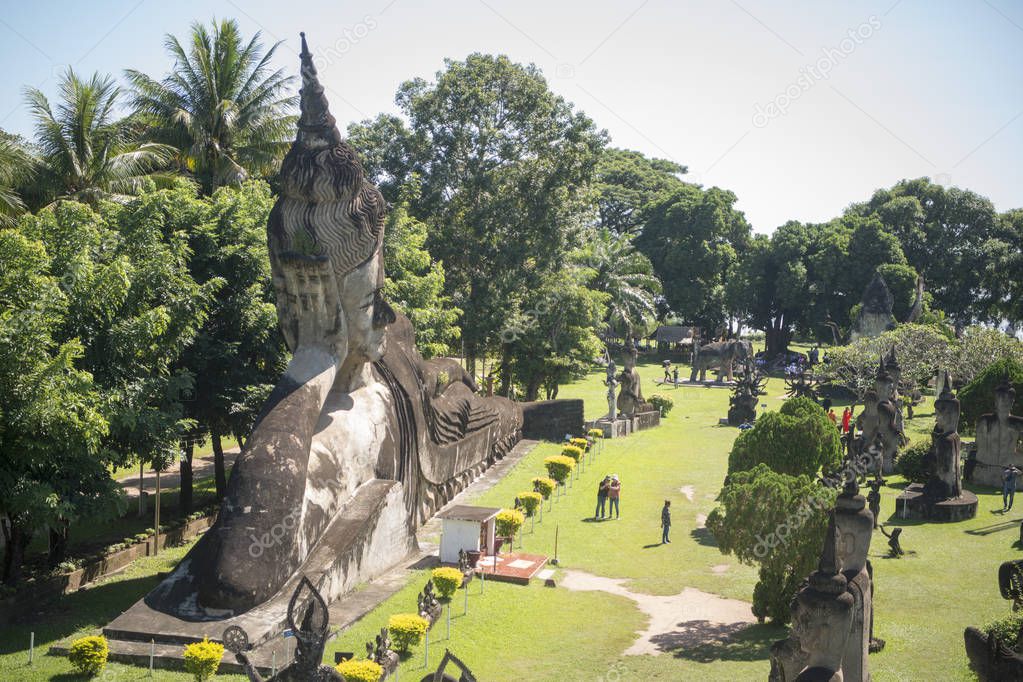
[846, 419]
[614, 493]
[675, 375]
[833, 417]
[1009, 475]
[665, 521]
[602, 497]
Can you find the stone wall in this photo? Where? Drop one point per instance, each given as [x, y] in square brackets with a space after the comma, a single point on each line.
[552, 419]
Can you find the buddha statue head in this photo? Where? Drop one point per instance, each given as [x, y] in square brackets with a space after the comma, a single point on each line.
[328, 225]
[854, 525]
[884, 385]
[1005, 397]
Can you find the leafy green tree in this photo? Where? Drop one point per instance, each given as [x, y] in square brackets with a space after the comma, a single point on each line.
[977, 348]
[85, 153]
[774, 521]
[222, 107]
[1002, 267]
[626, 276]
[415, 284]
[978, 396]
[797, 440]
[504, 168]
[694, 238]
[626, 183]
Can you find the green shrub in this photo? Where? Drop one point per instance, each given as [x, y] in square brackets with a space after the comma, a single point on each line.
[88, 655]
[446, 579]
[595, 433]
[662, 403]
[544, 486]
[508, 522]
[798, 439]
[141, 537]
[580, 443]
[111, 549]
[361, 670]
[203, 658]
[978, 396]
[1007, 629]
[576, 453]
[910, 462]
[530, 502]
[68, 566]
[559, 467]
[150, 531]
[407, 630]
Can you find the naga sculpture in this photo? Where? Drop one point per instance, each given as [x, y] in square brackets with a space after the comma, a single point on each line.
[742, 405]
[361, 440]
[721, 355]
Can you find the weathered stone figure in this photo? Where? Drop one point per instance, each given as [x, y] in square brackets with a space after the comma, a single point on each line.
[742, 407]
[855, 525]
[361, 440]
[945, 482]
[720, 355]
[880, 421]
[630, 398]
[998, 437]
[611, 382]
[875, 316]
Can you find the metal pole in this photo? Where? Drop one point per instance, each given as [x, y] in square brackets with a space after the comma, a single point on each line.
[273, 664]
[152, 653]
[449, 620]
[156, 537]
[466, 611]
[142, 473]
[483, 578]
[426, 661]
[31, 647]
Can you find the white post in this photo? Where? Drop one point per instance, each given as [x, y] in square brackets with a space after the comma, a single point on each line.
[273, 664]
[152, 653]
[449, 620]
[31, 647]
[426, 660]
[466, 611]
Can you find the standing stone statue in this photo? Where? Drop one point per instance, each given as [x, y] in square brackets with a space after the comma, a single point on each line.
[875, 316]
[630, 398]
[611, 382]
[998, 437]
[945, 482]
[855, 525]
[880, 421]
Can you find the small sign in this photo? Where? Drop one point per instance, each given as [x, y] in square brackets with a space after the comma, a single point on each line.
[288, 633]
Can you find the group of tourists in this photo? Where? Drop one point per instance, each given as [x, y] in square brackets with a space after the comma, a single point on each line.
[670, 373]
[846, 424]
[609, 494]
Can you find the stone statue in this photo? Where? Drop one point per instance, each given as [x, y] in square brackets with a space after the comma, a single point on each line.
[630, 398]
[428, 606]
[945, 482]
[721, 355]
[611, 382]
[875, 316]
[379, 651]
[855, 525]
[880, 420]
[894, 541]
[746, 394]
[998, 437]
[361, 440]
[891, 366]
[874, 497]
[441, 676]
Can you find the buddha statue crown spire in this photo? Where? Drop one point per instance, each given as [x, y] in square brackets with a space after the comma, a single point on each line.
[828, 577]
[316, 126]
[882, 371]
[946, 390]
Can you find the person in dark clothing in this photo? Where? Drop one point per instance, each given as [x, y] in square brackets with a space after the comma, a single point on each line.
[665, 521]
[1009, 475]
[675, 375]
[602, 497]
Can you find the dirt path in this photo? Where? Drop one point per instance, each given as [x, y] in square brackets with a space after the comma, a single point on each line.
[687, 619]
[202, 467]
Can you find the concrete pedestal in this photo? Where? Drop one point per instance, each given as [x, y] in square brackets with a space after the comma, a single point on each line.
[913, 504]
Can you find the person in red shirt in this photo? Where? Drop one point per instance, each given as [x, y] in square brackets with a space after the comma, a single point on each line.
[833, 417]
[846, 419]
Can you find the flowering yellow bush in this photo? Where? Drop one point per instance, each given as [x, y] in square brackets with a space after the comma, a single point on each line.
[406, 629]
[544, 486]
[362, 670]
[595, 433]
[580, 443]
[572, 451]
[88, 655]
[530, 502]
[509, 521]
[203, 658]
[559, 467]
[447, 579]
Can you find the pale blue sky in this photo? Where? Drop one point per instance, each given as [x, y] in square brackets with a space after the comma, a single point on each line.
[924, 88]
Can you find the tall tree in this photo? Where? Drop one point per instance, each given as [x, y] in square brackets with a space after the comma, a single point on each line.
[17, 167]
[504, 167]
[86, 153]
[626, 276]
[222, 107]
[627, 182]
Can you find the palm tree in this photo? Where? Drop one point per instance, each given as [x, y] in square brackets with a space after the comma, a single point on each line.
[627, 276]
[17, 167]
[85, 153]
[221, 107]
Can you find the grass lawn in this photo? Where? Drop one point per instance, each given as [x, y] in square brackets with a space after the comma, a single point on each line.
[947, 580]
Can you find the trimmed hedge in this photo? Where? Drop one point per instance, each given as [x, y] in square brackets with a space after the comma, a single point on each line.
[797, 440]
[544, 486]
[508, 522]
[595, 433]
[202, 659]
[88, 655]
[978, 397]
[662, 403]
[559, 467]
[530, 502]
[361, 670]
[406, 630]
[573, 451]
[910, 462]
[446, 579]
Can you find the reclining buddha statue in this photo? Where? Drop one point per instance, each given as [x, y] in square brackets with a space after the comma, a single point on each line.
[361, 440]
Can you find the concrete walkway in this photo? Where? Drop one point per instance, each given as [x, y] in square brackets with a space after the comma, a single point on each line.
[202, 467]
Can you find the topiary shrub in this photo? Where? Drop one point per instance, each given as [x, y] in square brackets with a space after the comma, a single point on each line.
[559, 467]
[544, 486]
[662, 403]
[203, 658]
[1007, 629]
[910, 462]
[446, 579]
[508, 522]
[361, 670]
[595, 433]
[88, 655]
[798, 439]
[580, 443]
[530, 502]
[978, 396]
[576, 453]
[407, 630]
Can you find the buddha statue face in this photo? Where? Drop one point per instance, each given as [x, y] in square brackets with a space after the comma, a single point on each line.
[946, 414]
[1005, 396]
[821, 625]
[885, 388]
[366, 312]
